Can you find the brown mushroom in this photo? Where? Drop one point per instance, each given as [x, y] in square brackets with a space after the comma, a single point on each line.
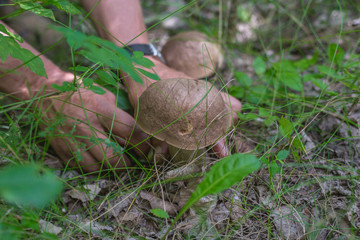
[187, 114]
[193, 53]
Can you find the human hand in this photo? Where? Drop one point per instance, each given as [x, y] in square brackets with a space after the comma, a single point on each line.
[85, 123]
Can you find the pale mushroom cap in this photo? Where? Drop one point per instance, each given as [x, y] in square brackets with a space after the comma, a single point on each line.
[188, 114]
[193, 53]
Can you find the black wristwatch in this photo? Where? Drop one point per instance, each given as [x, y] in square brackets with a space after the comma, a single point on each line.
[147, 49]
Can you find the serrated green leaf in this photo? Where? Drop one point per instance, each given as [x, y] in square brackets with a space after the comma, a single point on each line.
[287, 74]
[264, 112]
[138, 58]
[298, 144]
[4, 49]
[270, 120]
[283, 154]
[63, 5]
[264, 160]
[286, 127]
[8, 46]
[319, 82]
[304, 63]
[36, 8]
[14, 36]
[88, 82]
[257, 94]
[274, 168]
[149, 74]
[102, 52]
[259, 65]
[107, 78]
[97, 90]
[237, 91]
[291, 80]
[79, 68]
[123, 100]
[336, 54]
[327, 71]
[159, 213]
[29, 185]
[225, 174]
[74, 39]
[248, 116]
[243, 79]
[65, 87]
[242, 13]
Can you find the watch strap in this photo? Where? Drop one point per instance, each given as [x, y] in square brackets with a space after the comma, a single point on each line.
[147, 49]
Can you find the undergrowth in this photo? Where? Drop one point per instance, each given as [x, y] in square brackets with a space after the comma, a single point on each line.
[295, 68]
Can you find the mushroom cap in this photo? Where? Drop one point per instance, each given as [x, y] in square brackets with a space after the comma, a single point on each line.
[187, 114]
[193, 53]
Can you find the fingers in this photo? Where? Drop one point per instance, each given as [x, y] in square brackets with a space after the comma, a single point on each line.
[71, 154]
[108, 155]
[123, 127]
[83, 126]
[233, 104]
[220, 148]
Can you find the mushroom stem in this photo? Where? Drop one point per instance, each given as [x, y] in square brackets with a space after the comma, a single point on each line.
[180, 157]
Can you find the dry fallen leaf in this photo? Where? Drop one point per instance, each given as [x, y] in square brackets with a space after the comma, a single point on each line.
[89, 192]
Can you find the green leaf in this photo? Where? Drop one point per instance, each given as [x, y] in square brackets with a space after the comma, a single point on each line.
[270, 120]
[97, 90]
[123, 100]
[88, 82]
[14, 36]
[264, 160]
[286, 127]
[336, 54]
[283, 154]
[29, 185]
[79, 68]
[107, 78]
[263, 112]
[63, 5]
[259, 65]
[237, 91]
[36, 8]
[257, 94]
[138, 58]
[298, 144]
[8, 46]
[225, 174]
[274, 168]
[287, 74]
[304, 63]
[65, 87]
[242, 13]
[149, 74]
[159, 213]
[328, 71]
[291, 80]
[316, 79]
[243, 79]
[102, 52]
[74, 39]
